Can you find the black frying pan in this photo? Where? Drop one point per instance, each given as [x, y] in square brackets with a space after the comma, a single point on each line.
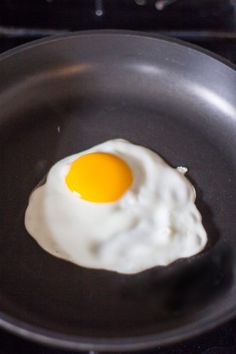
[167, 96]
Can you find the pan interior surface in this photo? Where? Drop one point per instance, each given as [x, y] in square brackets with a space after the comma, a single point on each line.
[62, 96]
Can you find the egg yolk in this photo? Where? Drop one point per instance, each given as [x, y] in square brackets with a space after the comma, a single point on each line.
[99, 177]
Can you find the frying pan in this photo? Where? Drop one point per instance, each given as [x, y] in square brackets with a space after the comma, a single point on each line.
[62, 95]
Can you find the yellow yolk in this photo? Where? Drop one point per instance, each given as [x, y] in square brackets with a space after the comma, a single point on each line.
[99, 177]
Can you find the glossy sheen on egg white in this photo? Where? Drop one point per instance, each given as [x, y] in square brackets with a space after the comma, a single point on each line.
[154, 223]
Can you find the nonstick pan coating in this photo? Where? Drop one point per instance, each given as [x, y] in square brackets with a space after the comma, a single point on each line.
[63, 95]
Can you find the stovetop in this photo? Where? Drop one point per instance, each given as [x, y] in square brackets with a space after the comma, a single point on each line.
[210, 27]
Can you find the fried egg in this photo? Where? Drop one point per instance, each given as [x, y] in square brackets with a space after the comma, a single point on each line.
[116, 206]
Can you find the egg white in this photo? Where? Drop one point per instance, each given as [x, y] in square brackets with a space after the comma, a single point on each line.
[154, 223]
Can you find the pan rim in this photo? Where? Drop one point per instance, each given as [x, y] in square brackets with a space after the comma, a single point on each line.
[104, 344]
[128, 33]
[56, 339]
